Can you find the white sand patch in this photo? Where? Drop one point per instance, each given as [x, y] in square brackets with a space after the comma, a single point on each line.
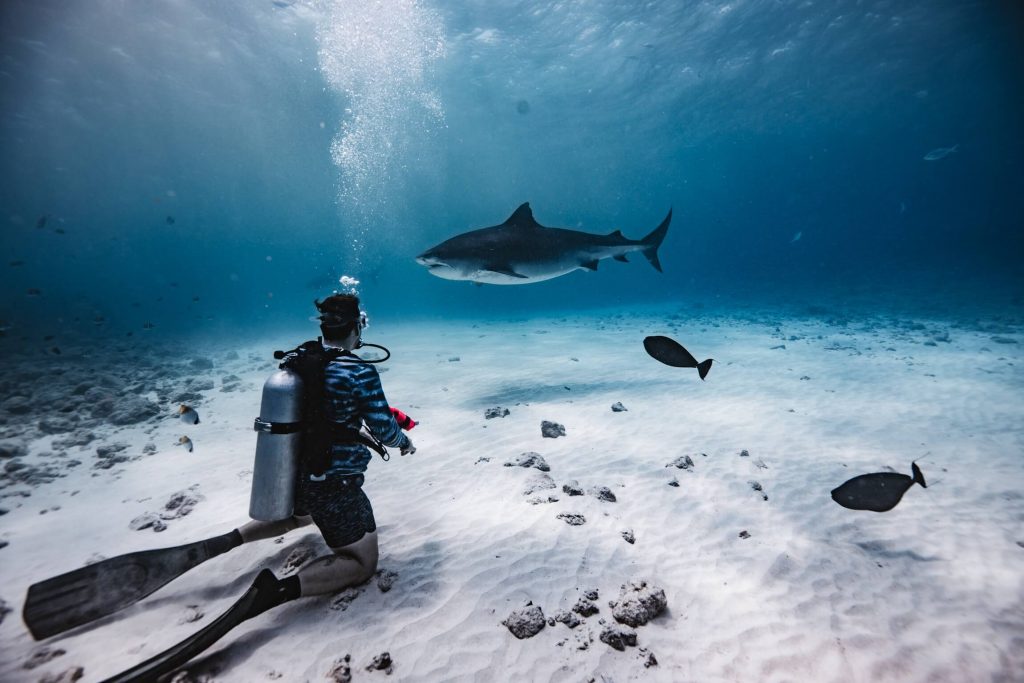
[929, 591]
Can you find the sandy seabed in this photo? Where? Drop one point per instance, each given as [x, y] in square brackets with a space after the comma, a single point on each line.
[765, 578]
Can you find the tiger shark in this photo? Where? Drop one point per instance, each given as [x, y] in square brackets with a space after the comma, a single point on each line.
[521, 251]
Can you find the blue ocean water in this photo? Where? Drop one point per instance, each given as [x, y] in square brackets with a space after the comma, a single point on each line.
[191, 168]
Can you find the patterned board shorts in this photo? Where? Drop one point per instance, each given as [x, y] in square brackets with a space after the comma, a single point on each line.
[339, 508]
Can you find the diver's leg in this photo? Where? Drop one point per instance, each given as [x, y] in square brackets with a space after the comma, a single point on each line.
[350, 565]
[257, 531]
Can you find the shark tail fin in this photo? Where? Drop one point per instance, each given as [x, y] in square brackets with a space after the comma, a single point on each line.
[653, 241]
[704, 367]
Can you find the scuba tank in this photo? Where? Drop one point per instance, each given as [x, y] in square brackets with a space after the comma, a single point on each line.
[278, 445]
[293, 434]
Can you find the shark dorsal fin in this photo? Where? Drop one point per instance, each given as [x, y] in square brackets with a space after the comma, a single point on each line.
[522, 217]
[617, 233]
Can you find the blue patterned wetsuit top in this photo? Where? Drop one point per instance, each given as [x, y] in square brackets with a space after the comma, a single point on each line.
[354, 395]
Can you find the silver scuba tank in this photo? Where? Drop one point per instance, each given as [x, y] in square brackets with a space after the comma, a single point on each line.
[278, 445]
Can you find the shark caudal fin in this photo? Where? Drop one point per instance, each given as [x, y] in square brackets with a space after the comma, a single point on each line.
[653, 241]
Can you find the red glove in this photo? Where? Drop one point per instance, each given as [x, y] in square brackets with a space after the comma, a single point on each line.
[404, 421]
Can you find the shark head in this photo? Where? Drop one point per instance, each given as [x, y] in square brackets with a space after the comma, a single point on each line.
[442, 265]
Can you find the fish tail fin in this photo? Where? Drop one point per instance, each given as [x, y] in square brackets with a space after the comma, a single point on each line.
[918, 477]
[653, 241]
[704, 367]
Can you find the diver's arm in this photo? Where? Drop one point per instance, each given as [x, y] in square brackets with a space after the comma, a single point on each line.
[376, 412]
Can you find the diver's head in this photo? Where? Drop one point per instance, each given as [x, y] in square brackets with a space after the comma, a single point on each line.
[341, 320]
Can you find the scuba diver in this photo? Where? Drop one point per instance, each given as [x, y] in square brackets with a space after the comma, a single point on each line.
[329, 491]
[321, 414]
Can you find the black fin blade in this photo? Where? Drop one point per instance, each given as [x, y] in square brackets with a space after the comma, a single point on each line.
[89, 593]
[589, 265]
[262, 595]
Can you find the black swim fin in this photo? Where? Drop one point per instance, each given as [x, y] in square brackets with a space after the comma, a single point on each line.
[264, 593]
[97, 590]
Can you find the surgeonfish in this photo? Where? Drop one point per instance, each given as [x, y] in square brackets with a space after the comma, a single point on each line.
[940, 153]
[878, 491]
[188, 415]
[671, 352]
[186, 442]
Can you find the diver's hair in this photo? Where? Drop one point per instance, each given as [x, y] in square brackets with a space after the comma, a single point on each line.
[339, 315]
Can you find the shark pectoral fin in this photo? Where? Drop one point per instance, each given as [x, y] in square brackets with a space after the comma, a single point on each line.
[589, 265]
[621, 257]
[504, 269]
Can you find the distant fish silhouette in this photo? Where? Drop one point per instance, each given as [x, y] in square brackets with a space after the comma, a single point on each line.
[878, 491]
[170, 220]
[671, 352]
[41, 223]
[940, 153]
[796, 237]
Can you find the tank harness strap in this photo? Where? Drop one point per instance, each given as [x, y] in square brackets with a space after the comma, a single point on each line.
[340, 433]
[261, 425]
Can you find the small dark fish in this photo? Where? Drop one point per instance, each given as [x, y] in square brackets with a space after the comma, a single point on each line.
[188, 415]
[195, 299]
[523, 107]
[16, 263]
[41, 223]
[878, 491]
[55, 350]
[671, 352]
[49, 337]
[32, 291]
[148, 326]
[59, 231]
[170, 220]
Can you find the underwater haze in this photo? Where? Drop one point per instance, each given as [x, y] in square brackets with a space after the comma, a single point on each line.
[188, 168]
[777, 437]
